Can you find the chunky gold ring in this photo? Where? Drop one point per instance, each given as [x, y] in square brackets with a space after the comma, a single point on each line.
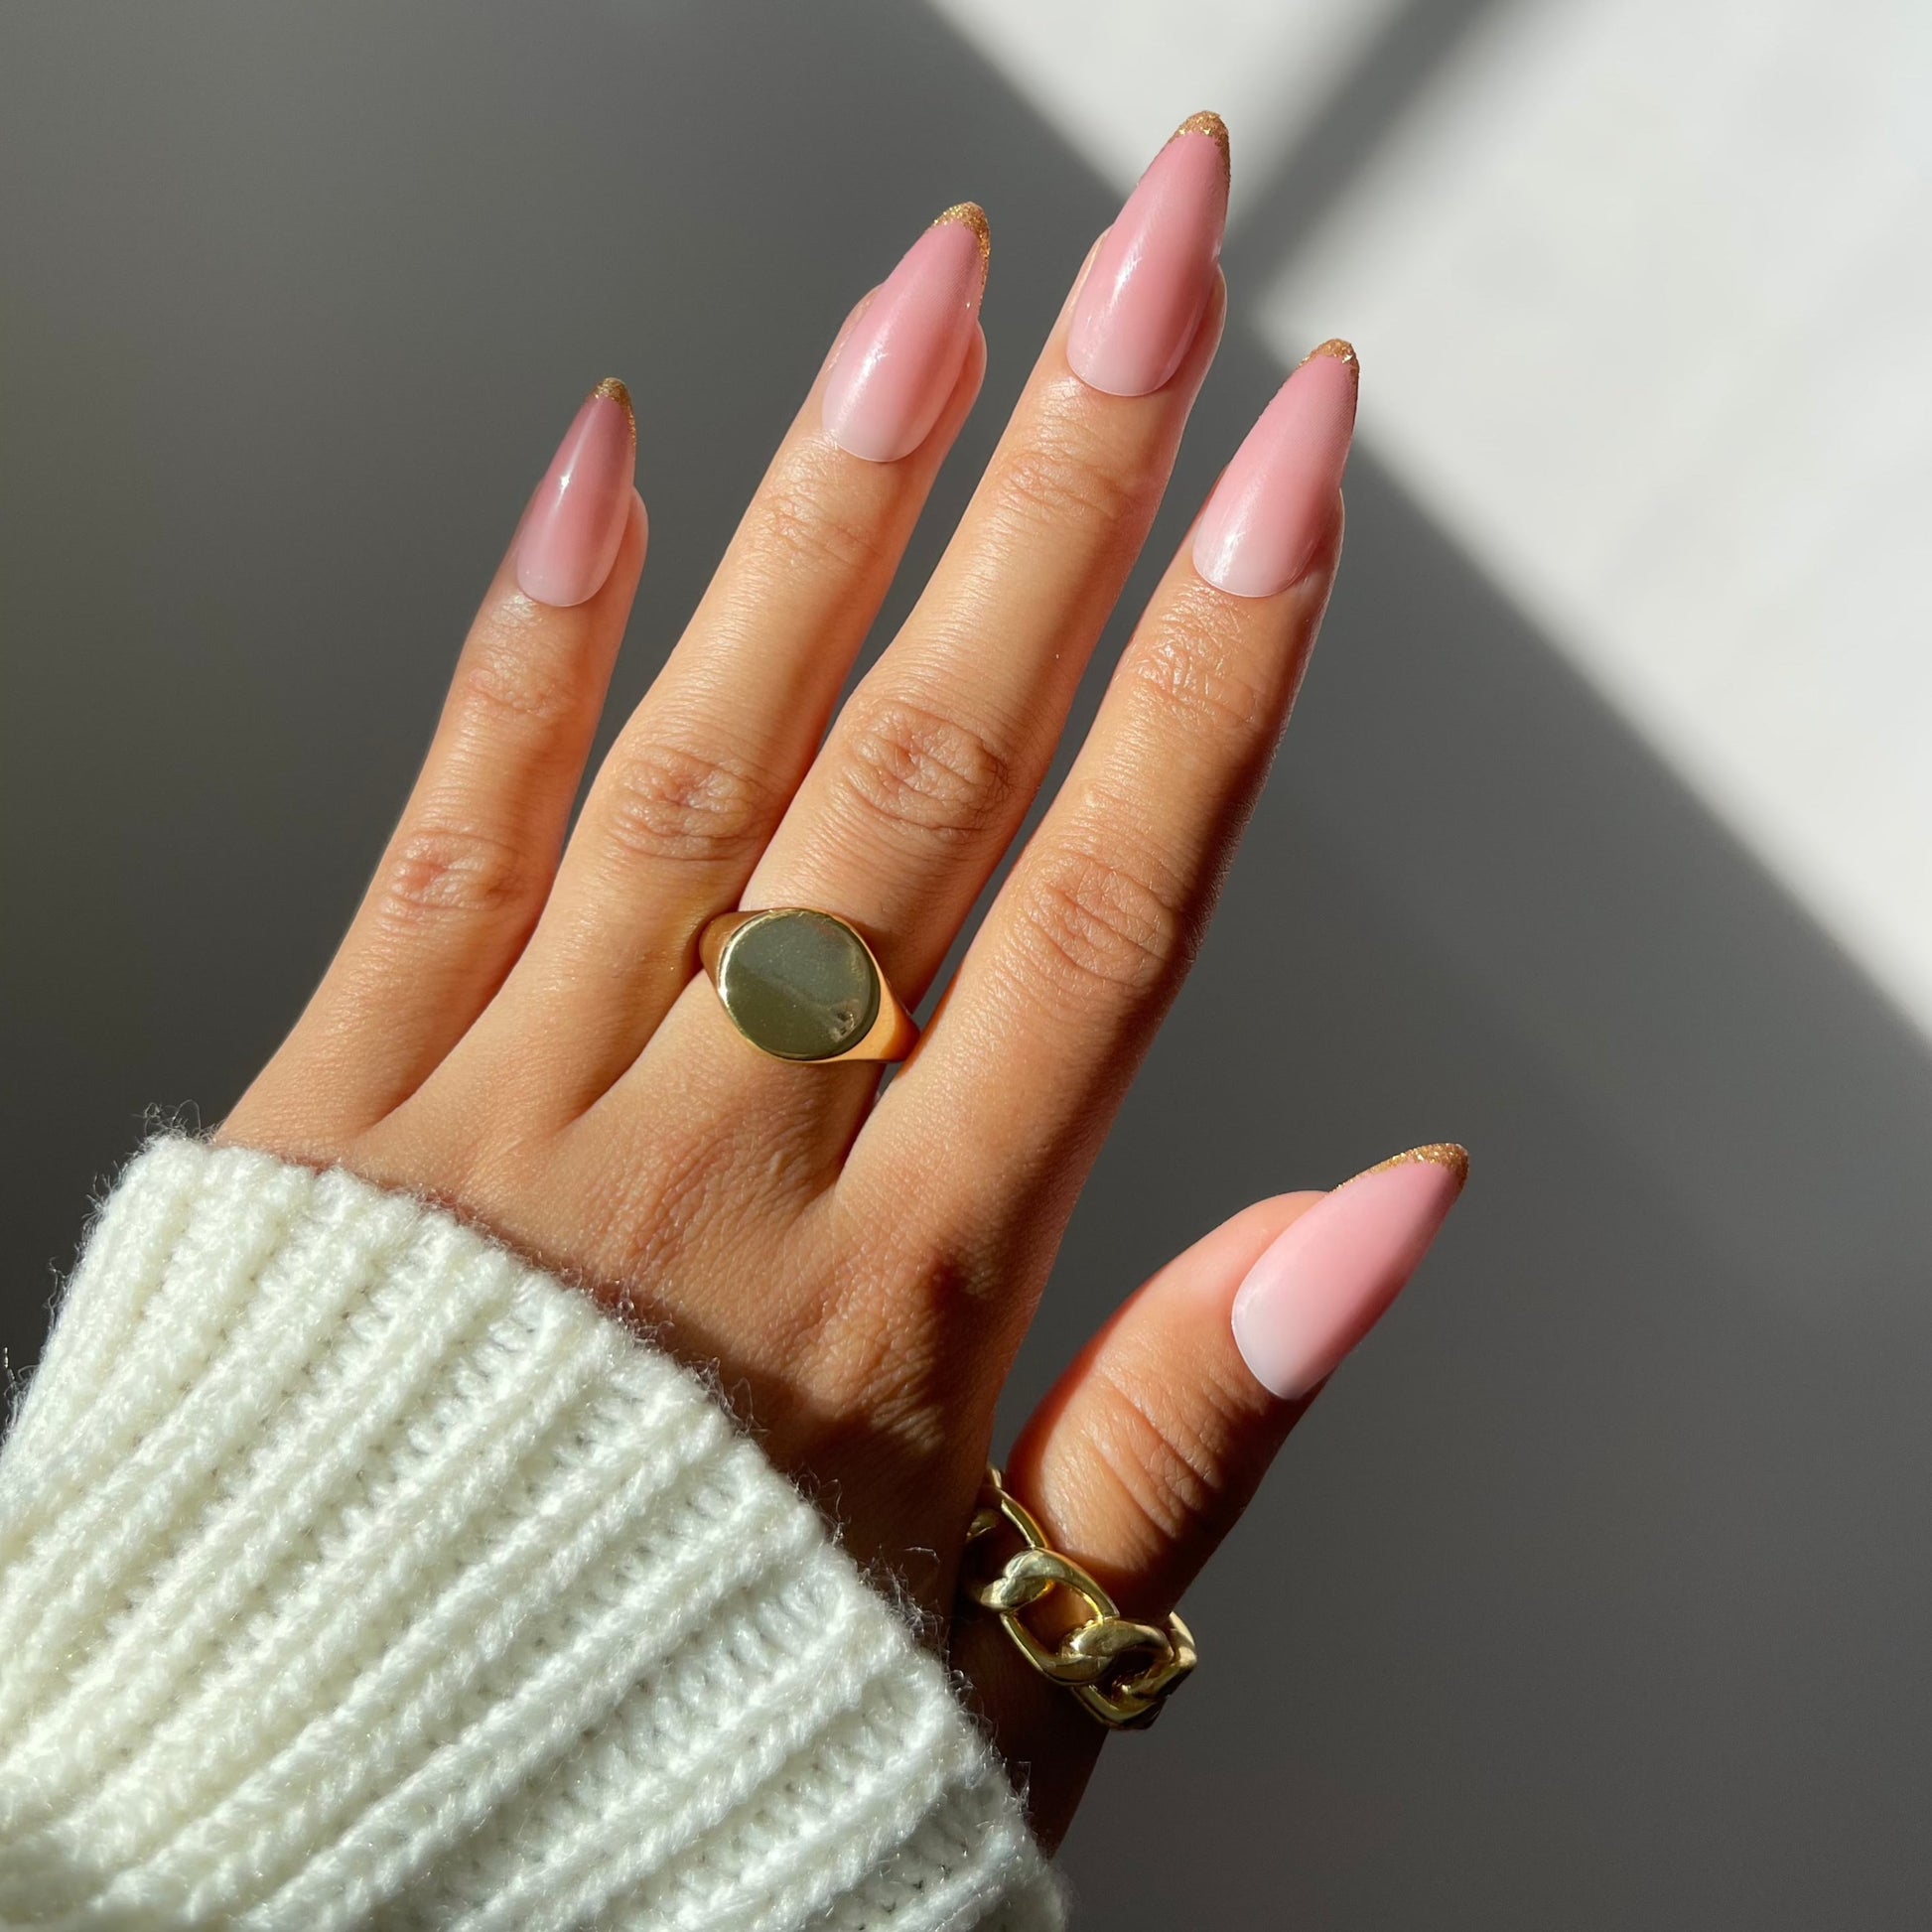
[1122, 1671]
[804, 985]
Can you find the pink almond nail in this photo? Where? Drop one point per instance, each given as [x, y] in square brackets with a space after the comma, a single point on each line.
[1147, 288]
[1274, 502]
[575, 522]
[903, 356]
[1326, 1280]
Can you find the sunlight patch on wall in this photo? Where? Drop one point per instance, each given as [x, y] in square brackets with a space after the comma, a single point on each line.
[1641, 291]
[1641, 288]
[1116, 77]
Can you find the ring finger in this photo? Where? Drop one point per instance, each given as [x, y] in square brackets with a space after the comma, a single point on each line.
[935, 759]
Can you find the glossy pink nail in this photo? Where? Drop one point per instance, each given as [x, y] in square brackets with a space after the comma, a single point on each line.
[1325, 1281]
[898, 366]
[575, 522]
[1274, 502]
[1144, 294]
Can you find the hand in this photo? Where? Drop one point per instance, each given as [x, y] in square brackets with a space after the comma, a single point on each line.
[517, 1026]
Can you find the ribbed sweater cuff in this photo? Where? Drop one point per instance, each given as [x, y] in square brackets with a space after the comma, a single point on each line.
[354, 1573]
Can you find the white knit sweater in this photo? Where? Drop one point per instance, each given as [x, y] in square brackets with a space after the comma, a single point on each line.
[354, 1573]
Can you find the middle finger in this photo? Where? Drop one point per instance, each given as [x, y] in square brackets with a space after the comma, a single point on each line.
[935, 758]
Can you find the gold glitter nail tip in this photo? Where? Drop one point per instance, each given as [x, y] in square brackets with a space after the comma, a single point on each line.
[1338, 351]
[1438, 1154]
[1213, 127]
[612, 388]
[969, 214]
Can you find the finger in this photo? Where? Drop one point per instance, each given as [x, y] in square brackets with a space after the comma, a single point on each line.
[1094, 929]
[1153, 1443]
[471, 860]
[707, 764]
[932, 766]
[934, 760]
[1156, 1439]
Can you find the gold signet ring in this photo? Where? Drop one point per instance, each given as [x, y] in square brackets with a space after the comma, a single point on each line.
[802, 985]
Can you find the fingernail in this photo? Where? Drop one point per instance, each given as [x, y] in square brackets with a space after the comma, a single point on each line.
[575, 522]
[1325, 1281]
[1273, 504]
[898, 366]
[1143, 296]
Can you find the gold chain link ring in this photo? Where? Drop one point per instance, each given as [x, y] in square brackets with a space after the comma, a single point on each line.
[1122, 1671]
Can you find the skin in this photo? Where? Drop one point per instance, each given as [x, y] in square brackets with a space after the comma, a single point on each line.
[516, 1026]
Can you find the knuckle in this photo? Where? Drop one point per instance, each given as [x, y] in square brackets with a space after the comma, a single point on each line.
[879, 1350]
[803, 519]
[865, 1365]
[919, 771]
[509, 670]
[1065, 473]
[1169, 1468]
[1095, 920]
[668, 802]
[659, 1203]
[440, 868]
[1198, 668]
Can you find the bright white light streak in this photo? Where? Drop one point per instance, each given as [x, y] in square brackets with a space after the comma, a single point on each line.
[1643, 290]
[1644, 296]
[1118, 77]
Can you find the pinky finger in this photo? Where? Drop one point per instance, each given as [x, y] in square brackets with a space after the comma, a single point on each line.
[471, 863]
[1145, 1455]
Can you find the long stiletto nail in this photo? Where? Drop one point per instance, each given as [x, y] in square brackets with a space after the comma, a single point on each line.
[1325, 1282]
[898, 366]
[1274, 501]
[1144, 294]
[575, 522]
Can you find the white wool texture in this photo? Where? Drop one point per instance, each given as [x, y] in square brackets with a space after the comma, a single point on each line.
[355, 1574]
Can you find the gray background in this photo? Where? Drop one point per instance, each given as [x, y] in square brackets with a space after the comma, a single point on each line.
[1594, 1594]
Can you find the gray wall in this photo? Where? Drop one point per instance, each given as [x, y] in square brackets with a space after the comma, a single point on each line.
[1595, 1593]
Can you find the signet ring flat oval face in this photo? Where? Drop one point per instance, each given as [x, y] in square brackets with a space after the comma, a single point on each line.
[802, 985]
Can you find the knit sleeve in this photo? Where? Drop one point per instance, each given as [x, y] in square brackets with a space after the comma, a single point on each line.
[354, 1573]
